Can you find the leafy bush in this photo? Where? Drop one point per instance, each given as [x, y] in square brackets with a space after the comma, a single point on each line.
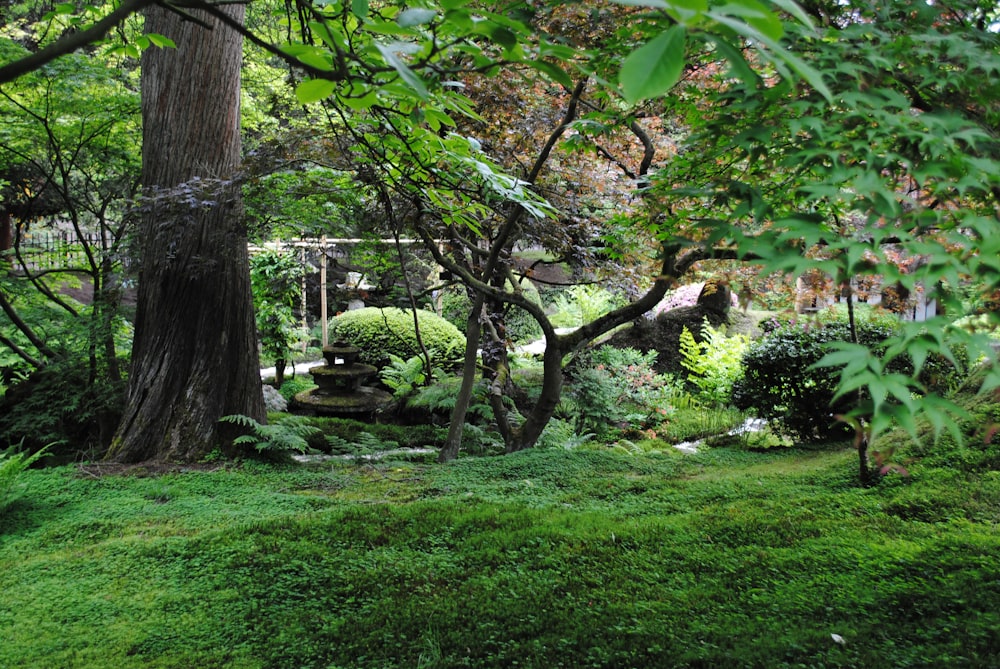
[714, 363]
[780, 382]
[582, 304]
[617, 387]
[60, 405]
[295, 385]
[274, 278]
[380, 333]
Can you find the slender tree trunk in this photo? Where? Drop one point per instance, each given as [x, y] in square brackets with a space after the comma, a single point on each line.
[6, 234]
[472, 330]
[861, 439]
[527, 435]
[194, 358]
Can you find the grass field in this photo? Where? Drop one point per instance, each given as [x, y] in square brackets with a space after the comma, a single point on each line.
[548, 558]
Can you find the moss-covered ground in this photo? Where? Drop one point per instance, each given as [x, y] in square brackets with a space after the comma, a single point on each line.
[548, 558]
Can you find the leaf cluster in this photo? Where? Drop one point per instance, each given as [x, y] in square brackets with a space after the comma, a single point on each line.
[714, 362]
[286, 435]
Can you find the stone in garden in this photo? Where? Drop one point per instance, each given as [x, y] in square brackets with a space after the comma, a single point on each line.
[715, 296]
[273, 400]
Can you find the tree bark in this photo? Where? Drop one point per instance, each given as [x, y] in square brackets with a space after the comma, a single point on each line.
[6, 236]
[194, 357]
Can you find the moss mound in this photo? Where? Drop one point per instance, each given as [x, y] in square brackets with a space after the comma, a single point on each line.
[381, 332]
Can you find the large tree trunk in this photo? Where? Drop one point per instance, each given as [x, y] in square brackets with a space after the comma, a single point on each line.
[194, 358]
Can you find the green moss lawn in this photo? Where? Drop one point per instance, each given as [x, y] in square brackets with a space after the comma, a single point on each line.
[549, 558]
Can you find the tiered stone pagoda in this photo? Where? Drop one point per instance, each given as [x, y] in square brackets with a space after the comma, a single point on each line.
[340, 392]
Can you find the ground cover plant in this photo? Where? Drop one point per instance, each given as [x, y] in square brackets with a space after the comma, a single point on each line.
[545, 558]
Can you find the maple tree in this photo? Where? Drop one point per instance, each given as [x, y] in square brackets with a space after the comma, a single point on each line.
[894, 176]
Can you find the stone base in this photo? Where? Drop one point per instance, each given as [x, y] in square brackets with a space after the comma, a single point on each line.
[361, 404]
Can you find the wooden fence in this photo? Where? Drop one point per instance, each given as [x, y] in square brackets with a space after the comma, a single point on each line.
[56, 249]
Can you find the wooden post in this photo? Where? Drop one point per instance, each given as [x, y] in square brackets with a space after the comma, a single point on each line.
[322, 291]
[303, 305]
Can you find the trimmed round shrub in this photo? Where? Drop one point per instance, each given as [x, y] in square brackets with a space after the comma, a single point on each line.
[381, 332]
[779, 383]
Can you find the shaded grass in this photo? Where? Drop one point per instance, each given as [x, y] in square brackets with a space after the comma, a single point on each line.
[539, 559]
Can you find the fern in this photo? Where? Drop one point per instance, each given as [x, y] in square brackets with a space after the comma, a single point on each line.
[404, 377]
[287, 434]
[441, 397]
[691, 350]
[11, 467]
[714, 363]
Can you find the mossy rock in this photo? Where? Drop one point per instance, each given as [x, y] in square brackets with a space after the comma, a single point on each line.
[663, 335]
[381, 332]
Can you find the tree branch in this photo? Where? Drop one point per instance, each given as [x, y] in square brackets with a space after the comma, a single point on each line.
[70, 42]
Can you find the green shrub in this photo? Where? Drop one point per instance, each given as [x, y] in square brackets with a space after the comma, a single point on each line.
[274, 279]
[582, 304]
[780, 384]
[60, 405]
[381, 332]
[295, 385]
[617, 387]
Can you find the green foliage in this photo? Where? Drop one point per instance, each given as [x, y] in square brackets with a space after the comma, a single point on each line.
[390, 331]
[288, 434]
[274, 280]
[13, 462]
[582, 304]
[890, 182]
[691, 421]
[521, 326]
[714, 363]
[560, 433]
[296, 384]
[404, 377]
[362, 447]
[616, 388]
[297, 203]
[61, 406]
[782, 381]
[439, 399]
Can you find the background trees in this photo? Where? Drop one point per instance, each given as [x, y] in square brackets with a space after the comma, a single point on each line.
[69, 154]
[806, 146]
